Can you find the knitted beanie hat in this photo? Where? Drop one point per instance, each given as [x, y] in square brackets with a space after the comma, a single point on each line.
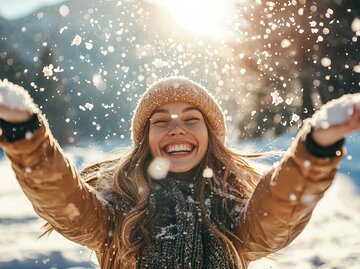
[177, 89]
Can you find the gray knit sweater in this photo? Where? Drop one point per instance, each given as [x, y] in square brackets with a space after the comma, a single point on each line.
[180, 239]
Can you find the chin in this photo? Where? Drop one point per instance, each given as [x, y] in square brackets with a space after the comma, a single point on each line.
[176, 170]
[179, 169]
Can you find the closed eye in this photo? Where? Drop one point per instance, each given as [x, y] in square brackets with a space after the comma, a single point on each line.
[160, 122]
[191, 120]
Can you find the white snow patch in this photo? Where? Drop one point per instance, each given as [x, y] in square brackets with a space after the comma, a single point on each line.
[16, 97]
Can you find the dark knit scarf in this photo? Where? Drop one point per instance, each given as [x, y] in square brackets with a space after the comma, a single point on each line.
[180, 239]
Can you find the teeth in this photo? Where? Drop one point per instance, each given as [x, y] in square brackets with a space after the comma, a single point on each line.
[177, 148]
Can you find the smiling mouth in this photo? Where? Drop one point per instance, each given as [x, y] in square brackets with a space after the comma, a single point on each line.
[179, 149]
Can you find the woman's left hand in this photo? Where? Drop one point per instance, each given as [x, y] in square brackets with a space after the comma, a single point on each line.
[328, 136]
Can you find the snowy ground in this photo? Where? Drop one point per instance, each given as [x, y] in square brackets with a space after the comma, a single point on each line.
[331, 240]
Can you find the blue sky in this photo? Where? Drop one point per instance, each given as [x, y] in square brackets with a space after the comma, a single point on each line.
[12, 9]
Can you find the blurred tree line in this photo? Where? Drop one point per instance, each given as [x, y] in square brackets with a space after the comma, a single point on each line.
[306, 51]
[48, 93]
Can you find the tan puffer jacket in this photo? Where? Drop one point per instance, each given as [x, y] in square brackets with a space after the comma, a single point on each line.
[277, 212]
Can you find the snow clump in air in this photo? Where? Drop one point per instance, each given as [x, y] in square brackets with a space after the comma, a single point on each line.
[295, 117]
[64, 10]
[48, 70]
[76, 41]
[208, 173]
[355, 26]
[16, 97]
[336, 112]
[159, 168]
[276, 98]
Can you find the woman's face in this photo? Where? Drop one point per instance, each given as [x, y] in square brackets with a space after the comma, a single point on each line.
[178, 132]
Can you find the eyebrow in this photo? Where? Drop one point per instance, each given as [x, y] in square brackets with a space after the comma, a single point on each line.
[161, 110]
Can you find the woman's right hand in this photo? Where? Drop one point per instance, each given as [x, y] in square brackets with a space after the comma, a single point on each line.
[16, 105]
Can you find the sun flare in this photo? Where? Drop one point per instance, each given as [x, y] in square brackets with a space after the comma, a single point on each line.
[203, 17]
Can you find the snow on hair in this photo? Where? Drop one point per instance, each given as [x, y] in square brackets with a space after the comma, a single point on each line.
[16, 97]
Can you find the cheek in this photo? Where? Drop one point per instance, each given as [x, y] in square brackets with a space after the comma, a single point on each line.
[202, 136]
[154, 141]
[204, 140]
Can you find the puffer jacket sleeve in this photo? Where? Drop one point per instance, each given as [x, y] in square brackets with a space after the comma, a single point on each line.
[55, 190]
[283, 201]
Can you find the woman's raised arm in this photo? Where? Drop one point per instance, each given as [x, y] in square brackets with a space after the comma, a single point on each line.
[283, 202]
[46, 176]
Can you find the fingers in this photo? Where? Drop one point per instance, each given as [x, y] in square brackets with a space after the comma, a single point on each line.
[14, 115]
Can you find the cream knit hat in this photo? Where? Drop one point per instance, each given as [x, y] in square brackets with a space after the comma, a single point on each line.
[177, 89]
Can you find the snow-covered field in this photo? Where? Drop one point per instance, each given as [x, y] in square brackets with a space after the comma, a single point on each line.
[331, 240]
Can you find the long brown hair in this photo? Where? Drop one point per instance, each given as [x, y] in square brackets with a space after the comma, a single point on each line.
[128, 180]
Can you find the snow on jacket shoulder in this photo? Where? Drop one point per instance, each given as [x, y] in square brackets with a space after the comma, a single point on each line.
[55, 190]
[284, 200]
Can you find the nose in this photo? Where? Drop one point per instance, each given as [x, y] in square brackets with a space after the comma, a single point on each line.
[175, 128]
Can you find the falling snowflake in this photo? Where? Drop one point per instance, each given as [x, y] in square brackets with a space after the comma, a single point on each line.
[325, 62]
[208, 172]
[355, 26]
[313, 23]
[293, 197]
[99, 82]
[63, 29]
[307, 163]
[88, 45]
[158, 63]
[276, 98]
[64, 10]
[89, 106]
[58, 69]
[76, 41]
[159, 168]
[48, 70]
[309, 199]
[28, 135]
[289, 101]
[285, 43]
[295, 117]
[356, 68]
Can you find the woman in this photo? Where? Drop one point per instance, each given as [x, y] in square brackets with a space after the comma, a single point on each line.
[180, 198]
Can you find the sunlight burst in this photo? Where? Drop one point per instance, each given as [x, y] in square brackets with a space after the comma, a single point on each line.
[203, 17]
